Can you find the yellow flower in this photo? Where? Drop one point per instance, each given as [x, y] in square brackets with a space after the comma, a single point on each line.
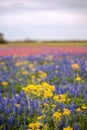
[48, 94]
[68, 128]
[60, 98]
[57, 116]
[31, 65]
[4, 83]
[56, 98]
[45, 90]
[66, 112]
[63, 97]
[53, 105]
[25, 72]
[68, 99]
[33, 76]
[84, 107]
[34, 126]
[75, 66]
[46, 105]
[78, 110]
[19, 63]
[78, 78]
[40, 117]
[86, 69]
[48, 86]
[5, 97]
[17, 105]
[42, 74]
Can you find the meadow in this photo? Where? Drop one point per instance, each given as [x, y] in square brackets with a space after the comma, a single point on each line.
[43, 86]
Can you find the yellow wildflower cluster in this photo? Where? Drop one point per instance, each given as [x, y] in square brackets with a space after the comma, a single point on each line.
[57, 116]
[84, 107]
[33, 76]
[42, 74]
[34, 126]
[25, 72]
[75, 66]
[46, 105]
[68, 128]
[31, 65]
[53, 106]
[18, 63]
[78, 110]
[4, 83]
[78, 78]
[40, 117]
[66, 112]
[45, 90]
[60, 98]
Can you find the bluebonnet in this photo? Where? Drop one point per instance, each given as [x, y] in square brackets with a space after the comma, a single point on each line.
[76, 127]
[11, 121]
[24, 127]
[18, 124]
[1, 108]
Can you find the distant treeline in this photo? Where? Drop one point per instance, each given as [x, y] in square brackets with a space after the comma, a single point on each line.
[68, 41]
[46, 41]
[2, 40]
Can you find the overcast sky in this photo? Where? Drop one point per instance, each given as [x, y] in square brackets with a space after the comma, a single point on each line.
[44, 19]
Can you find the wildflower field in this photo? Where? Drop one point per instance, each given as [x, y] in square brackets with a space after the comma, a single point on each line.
[43, 89]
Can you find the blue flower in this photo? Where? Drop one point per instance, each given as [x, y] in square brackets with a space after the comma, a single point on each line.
[1, 108]
[18, 124]
[24, 127]
[76, 127]
[10, 121]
